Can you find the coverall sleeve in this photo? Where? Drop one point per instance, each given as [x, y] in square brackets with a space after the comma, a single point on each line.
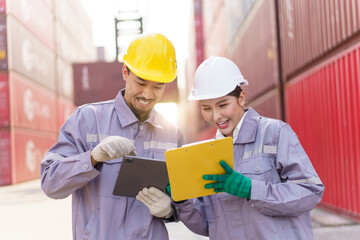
[300, 189]
[192, 213]
[67, 165]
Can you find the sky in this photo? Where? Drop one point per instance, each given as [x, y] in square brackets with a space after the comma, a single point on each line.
[169, 17]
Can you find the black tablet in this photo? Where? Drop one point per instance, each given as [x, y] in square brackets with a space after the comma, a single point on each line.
[138, 172]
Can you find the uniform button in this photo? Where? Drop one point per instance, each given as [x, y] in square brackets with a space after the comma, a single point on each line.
[257, 169]
[85, 166]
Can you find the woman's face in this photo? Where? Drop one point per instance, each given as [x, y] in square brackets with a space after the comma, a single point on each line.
[224, 113]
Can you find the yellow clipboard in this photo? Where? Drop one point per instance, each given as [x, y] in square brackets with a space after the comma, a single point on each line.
[186, 166]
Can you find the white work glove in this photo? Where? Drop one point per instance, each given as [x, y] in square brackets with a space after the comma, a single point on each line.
[113, 147]
[159, 203]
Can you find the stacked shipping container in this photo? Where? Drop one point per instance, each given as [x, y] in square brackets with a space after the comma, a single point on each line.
[37, 49]
[323, 108]
[320, 52]
[191, 110]
[310, 51]
[101, 81]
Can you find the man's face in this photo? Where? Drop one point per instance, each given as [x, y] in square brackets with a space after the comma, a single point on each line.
[141, 95]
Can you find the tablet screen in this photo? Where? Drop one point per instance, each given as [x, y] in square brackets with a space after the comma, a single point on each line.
[137, 172]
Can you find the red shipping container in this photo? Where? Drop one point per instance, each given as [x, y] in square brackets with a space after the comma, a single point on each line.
[74, 16]
[70, 48]
[73, 20]
[268, 105]
[309, 29]
[2, 6]
[101, 81]
[199, 35]
[215, 39]
[66, 108]
[29, 56]
[28, 148]
[49, 4]
[97, 81]
[255, 52]
[3, 44]
[322, 106]
[35, 16]
[236, 14]
[4, 101]
[210, 14]
[5, 157]
[65, 79]
[32, 106]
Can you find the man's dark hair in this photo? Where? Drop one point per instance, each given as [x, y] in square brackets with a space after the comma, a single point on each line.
[128, 70]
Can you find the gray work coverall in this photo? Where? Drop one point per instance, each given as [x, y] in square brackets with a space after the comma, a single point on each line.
[285, 187]
[66, 169]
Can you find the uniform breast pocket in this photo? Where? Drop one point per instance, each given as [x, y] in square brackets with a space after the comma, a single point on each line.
[260, 168]
[108, 176]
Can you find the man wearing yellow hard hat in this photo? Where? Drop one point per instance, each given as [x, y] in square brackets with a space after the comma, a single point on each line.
[87, 157]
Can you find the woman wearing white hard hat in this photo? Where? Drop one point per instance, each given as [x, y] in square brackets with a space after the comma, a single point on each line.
[273, 186]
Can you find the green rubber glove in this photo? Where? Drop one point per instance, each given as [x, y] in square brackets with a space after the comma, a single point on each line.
[168, 191]
[231, 182]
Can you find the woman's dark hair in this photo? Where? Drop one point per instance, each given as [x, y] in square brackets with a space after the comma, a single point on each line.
[236, 92]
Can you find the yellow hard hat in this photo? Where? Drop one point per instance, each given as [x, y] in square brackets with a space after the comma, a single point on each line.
[152, 57]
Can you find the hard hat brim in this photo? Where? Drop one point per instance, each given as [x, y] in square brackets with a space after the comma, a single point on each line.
[223, 92]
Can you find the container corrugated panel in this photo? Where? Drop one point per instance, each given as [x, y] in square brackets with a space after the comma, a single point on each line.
[77, 22]
[65, 79]
[70, 48]
[210, 14]
[191, 63]
[3, 44]
[255, 52]
[28, 148]
[36, 17]
[102, 81]
[2, 6]
[5, 157]
[65, 109]
[49, 4]
[74, 16]
[322, 106]
[29, 56]
[32, 106]
[215, 38]
[97, 81]
[171, 93]
[268, 105]
[4, 101]
[235, 12]
[199, 32]
[190, 109]
[310, 29]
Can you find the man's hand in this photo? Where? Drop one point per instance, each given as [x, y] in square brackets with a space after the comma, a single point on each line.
[158, 202]
[231, 182]
[112, 147]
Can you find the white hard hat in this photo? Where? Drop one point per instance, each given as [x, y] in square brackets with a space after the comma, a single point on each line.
[215, 77]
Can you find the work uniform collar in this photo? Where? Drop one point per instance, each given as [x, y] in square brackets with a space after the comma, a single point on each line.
[126, 115]
[248, 129]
